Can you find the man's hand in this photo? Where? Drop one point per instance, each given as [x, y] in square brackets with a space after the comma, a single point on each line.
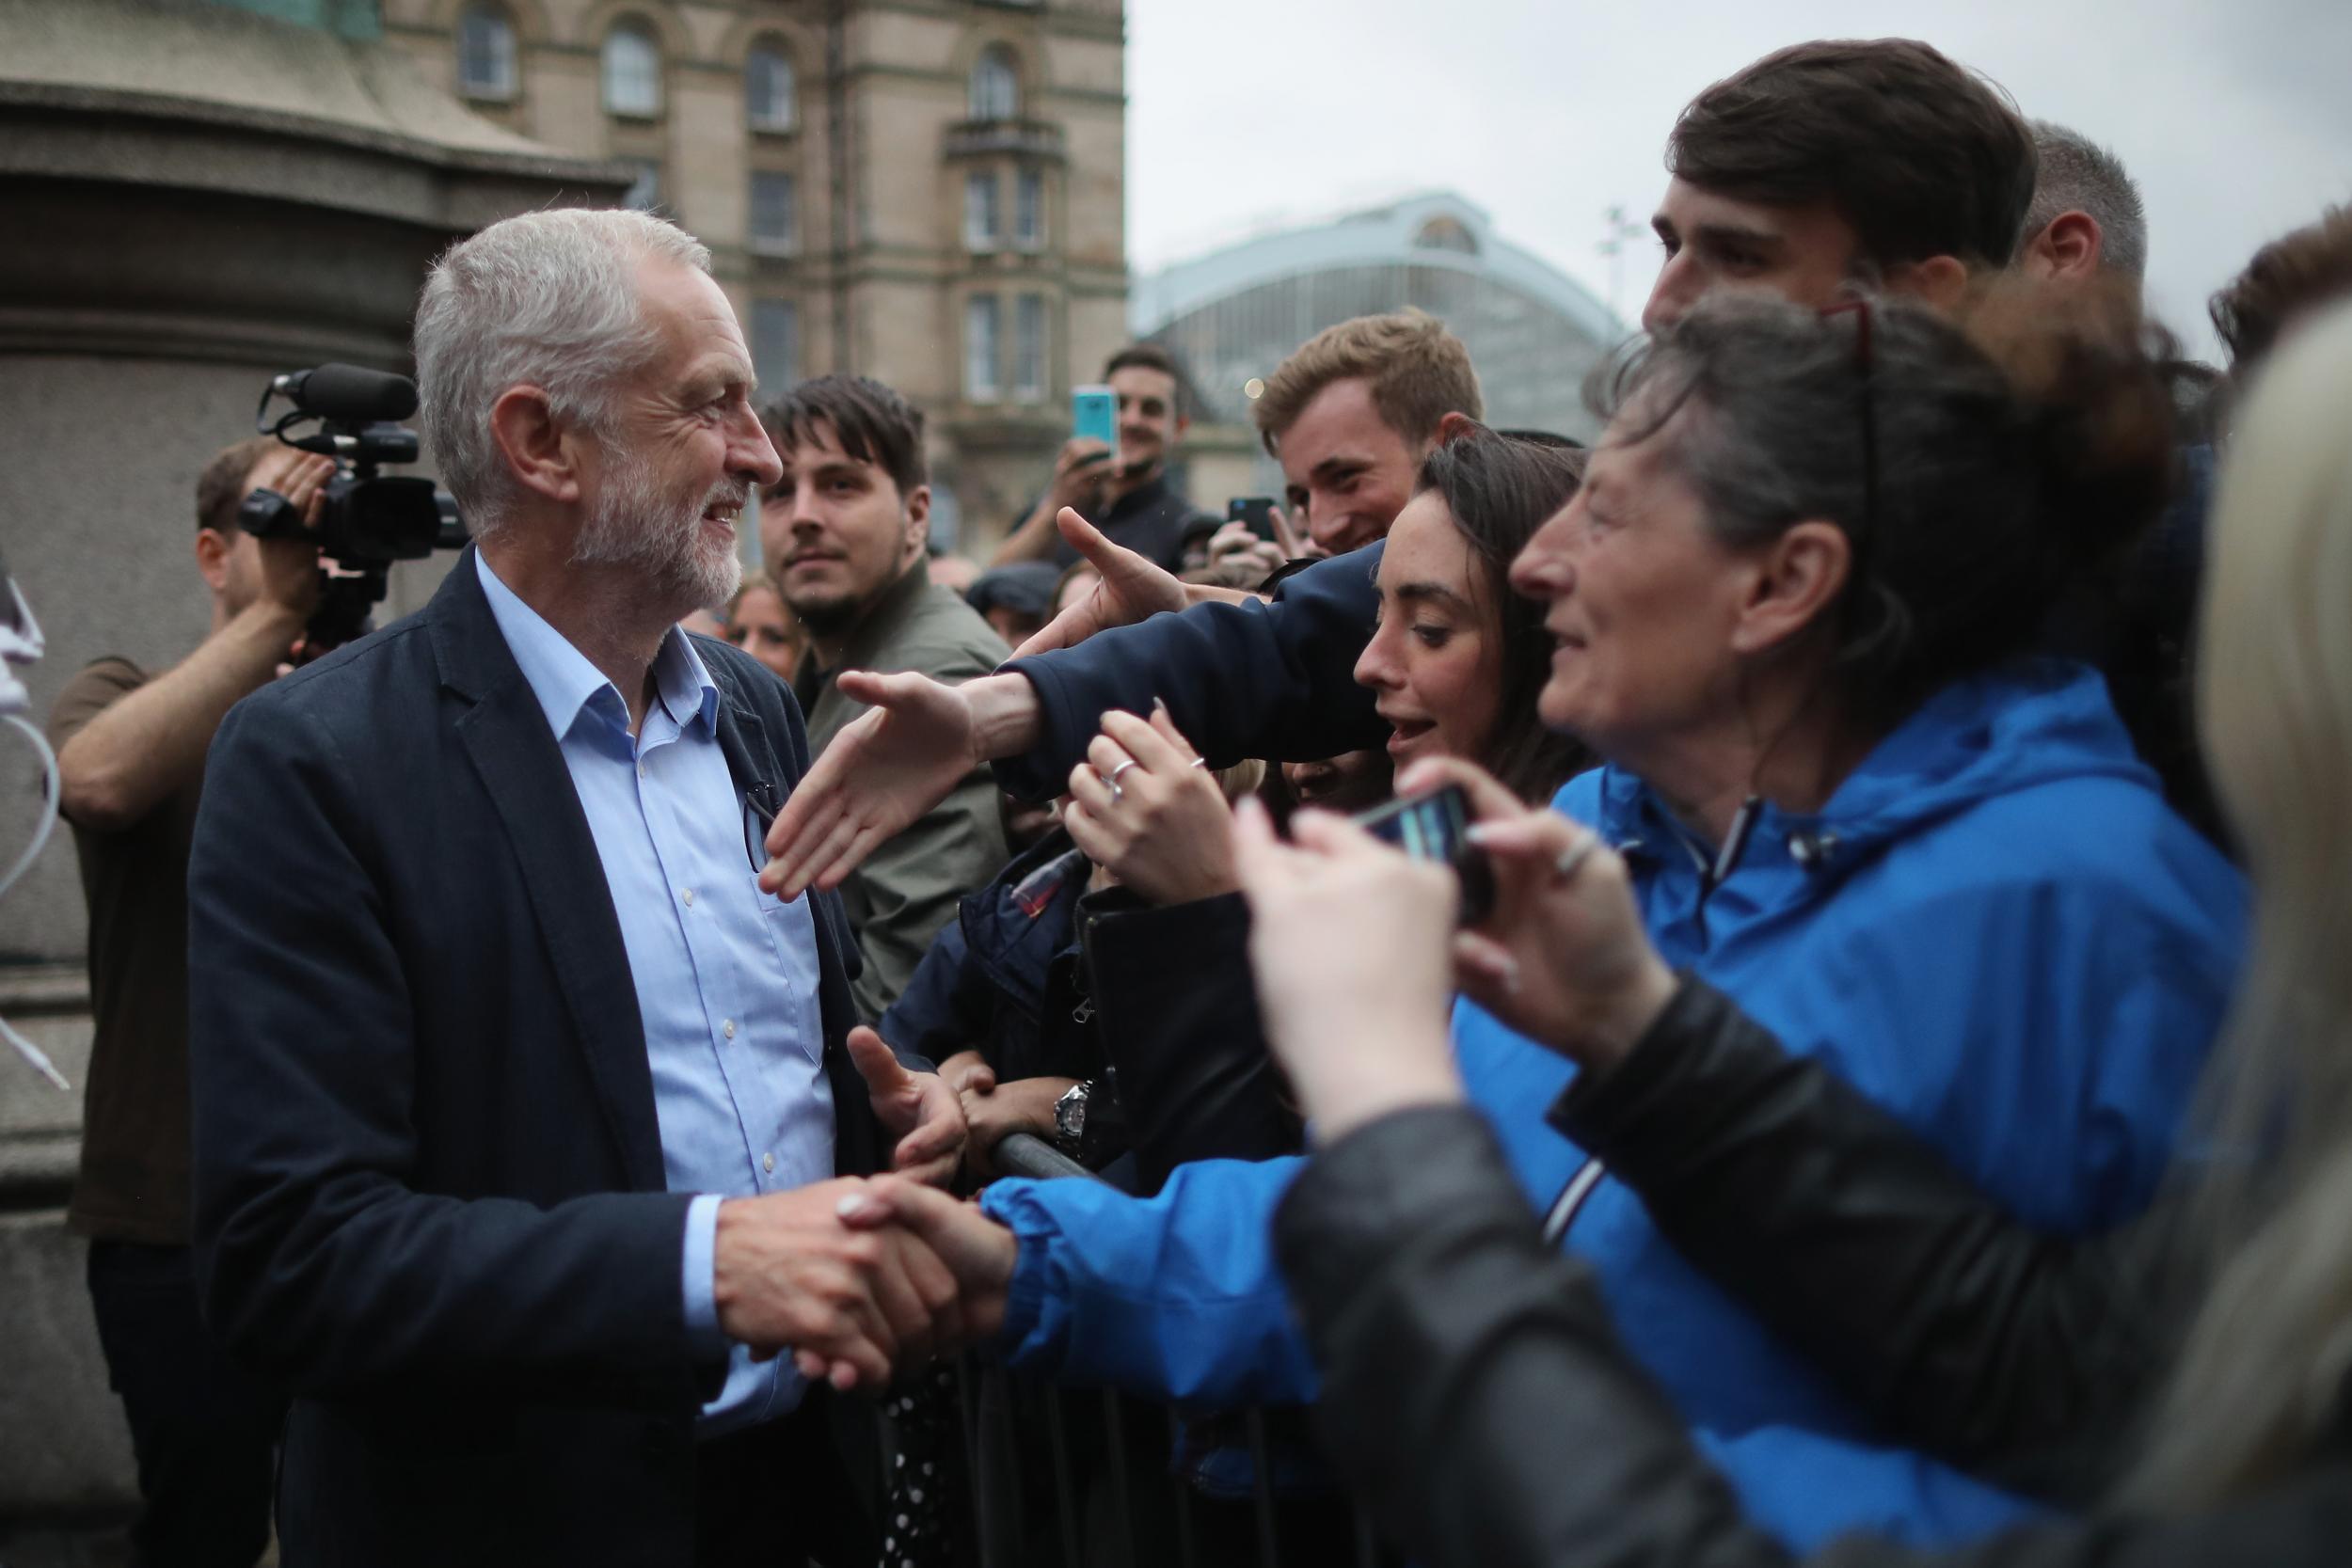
[290, 567]
[1132, 587]
[978, 1251]
[1241, 559]
[1083, 469]
[788, 1272]
[994, 1112]
[918, 1109]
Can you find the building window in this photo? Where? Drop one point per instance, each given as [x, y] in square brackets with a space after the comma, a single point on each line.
[980, 336]
[774, 232]
[486, 52]
[632, 72]
[776, 342]
[644, 192]
[980, 227]
[1028, 348]
[995, 84]
[1028, 208]
[768, 90]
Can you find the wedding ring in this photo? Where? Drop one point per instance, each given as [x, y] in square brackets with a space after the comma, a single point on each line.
[1572, 859]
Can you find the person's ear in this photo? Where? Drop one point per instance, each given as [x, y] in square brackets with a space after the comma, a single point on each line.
[2069, 245]
[541, 454]
[212, 558]
[1798, 578]
[1940, 282]
[1452, 425]
[918, 518]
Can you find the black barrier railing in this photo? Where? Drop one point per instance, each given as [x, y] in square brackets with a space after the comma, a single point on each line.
[1097, 1504]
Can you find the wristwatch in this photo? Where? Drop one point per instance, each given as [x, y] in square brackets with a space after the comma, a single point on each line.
[1069, 1118]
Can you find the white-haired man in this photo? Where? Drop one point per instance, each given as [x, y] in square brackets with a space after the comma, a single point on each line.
[516, 1106]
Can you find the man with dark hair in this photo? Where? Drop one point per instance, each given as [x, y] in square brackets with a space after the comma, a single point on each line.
[131, 764]
[1874, 159]
[1125, 493]
[844, 531]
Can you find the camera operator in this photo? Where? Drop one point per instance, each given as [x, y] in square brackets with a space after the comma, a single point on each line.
[130, 758]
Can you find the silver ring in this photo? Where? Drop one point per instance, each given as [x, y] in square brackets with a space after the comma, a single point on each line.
[1197, 762]
[1572, 859]
[1111, 778]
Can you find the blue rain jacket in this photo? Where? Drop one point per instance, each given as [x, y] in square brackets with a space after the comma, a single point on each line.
[1995, 928]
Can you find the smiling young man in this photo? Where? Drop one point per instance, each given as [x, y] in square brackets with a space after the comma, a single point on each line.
[1124, 491]
[844, 530]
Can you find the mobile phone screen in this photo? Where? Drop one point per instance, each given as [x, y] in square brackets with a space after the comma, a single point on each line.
[1094, 414]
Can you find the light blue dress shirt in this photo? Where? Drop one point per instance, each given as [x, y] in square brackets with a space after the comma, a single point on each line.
[726, 976]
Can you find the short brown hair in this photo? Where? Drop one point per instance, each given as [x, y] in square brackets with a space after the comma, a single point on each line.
[1149, 356]
[221, 487]
[1419, 372]
[870, 422]
[2286, 277]
[1921, 155]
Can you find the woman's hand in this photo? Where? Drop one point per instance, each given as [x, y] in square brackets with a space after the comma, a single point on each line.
[1024, 1105]
[1349, 943]
[1563, 958]
[1165, 830]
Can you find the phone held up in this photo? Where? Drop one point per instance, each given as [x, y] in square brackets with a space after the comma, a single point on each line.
[1255, 511]
[1434, 824]
[1094, 415]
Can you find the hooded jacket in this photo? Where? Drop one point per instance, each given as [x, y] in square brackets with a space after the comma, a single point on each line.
[1994, 929]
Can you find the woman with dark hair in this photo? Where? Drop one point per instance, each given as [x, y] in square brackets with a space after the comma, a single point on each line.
[1459, 658]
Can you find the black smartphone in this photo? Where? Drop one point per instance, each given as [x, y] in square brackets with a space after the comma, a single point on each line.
[1257, 511]
[1435, 826]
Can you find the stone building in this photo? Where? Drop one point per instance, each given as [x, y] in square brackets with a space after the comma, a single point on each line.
[931, 192]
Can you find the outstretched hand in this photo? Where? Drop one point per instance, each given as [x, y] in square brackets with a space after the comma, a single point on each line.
[1349, 941]
[918, 1109]
[1132, 588]
[1561, 957]
[906, 755]
[970, 1249]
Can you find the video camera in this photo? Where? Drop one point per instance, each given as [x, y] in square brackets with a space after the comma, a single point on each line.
[368, 520]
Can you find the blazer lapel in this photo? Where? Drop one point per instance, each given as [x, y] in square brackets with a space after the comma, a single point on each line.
[522, 769]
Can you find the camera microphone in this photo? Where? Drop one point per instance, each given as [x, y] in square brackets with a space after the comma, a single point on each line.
[346, 394]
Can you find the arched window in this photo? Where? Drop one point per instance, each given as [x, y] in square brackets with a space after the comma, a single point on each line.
[632, 72]
[768, 90]
[486, 52]
[995, 84]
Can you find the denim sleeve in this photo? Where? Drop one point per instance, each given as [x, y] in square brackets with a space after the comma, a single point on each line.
[1174, 1297]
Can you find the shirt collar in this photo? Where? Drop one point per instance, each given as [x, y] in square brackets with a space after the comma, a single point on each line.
[565, 684]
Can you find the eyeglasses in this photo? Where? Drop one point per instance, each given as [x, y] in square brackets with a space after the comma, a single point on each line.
[760, 807]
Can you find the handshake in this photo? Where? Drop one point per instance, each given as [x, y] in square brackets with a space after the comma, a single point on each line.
[858, 1279]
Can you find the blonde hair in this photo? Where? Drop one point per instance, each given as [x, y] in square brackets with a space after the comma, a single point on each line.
[1419, 372]
[2262, 1373]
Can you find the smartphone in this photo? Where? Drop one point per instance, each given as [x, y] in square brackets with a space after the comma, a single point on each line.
[1094, 414]
[1435, 826]
[1256, 511]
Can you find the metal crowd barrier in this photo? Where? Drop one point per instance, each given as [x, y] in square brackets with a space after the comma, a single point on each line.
[1128, 1526]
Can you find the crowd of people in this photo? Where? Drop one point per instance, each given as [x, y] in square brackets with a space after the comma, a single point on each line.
[1882, 1102]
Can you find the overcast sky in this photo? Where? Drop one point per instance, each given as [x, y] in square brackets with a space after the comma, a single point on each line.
[2235, 116]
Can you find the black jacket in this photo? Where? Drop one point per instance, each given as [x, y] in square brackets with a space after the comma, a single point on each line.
[1273, 679]
[1480, 1407]
[429, 1182]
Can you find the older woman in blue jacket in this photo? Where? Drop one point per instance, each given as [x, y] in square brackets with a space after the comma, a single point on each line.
[1791, 607]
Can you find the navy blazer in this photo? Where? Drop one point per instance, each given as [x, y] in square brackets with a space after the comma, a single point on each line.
[428, 1180]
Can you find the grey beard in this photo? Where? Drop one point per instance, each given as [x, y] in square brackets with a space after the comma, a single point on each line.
[633, 525]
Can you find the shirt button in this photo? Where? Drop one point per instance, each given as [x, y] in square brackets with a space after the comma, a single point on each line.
[727, 1028]
[687, 893]
[640, 769]
[768, 1164]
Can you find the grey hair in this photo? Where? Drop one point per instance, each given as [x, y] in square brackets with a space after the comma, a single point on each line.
[2077, 175]
[549, 299]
